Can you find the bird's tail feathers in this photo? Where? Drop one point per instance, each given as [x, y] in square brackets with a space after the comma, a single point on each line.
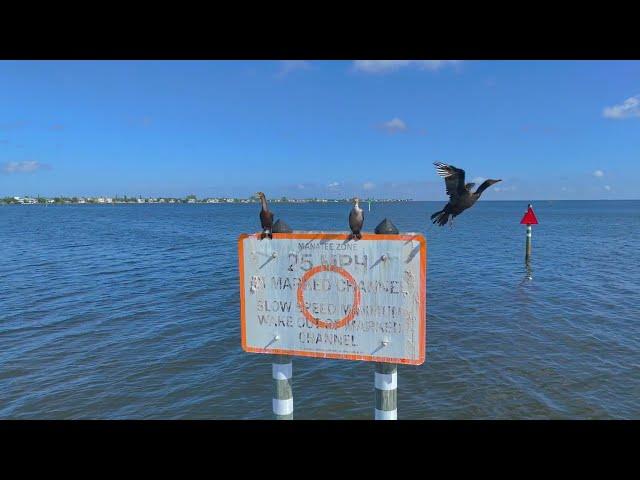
[441, 218]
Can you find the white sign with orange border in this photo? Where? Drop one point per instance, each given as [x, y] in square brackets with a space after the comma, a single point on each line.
[320, 294]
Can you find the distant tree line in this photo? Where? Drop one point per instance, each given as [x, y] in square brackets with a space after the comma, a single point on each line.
[188, 199]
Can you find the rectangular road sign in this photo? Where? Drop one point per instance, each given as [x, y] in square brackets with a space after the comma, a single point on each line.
[321, 294]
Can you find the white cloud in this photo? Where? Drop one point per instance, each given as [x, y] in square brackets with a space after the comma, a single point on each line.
[379, 66]
[289, 66]
[598, 173]
[300, 186]
[333, 184]
[385, 66]
[394, 125]
[629, 108]
[368, 185]
[607, 188]
[27, 166]
[511, 188]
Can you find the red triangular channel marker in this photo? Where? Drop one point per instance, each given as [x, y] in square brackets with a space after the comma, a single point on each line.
[529, 218]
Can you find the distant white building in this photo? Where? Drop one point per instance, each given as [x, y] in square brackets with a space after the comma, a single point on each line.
[141, 200]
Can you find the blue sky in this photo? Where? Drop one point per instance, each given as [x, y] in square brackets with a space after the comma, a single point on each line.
[549, 129]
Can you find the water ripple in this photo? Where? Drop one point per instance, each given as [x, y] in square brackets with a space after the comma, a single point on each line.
[133, 312]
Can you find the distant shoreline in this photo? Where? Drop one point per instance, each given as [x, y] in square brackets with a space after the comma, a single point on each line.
[197, 202]
[298, 202]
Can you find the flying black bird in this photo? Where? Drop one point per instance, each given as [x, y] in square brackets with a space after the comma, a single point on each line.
[266, 217]
[356, 219]
[460, 195]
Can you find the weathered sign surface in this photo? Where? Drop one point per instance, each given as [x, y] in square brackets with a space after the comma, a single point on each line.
[320, 294]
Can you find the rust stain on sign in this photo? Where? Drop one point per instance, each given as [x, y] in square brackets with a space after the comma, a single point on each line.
[320, 294]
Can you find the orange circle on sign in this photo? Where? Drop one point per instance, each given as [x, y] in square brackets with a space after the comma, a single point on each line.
[356, 297]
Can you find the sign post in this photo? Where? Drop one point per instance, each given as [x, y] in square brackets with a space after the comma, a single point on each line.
[386, 374]
[282, 372]
[325, 295]
[528, 219]
[282, 366]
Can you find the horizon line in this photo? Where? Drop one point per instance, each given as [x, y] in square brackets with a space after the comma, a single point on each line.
[277, 199]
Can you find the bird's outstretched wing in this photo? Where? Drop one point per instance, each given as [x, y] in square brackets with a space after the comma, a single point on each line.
[453, 178]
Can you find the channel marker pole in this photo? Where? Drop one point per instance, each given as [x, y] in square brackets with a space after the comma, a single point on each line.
[528, 220]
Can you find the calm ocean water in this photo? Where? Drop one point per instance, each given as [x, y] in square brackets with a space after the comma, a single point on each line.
[132, 311]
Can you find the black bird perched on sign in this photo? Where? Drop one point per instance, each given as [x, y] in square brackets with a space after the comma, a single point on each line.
[460, 195]
[356, 219]
[266, 217]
